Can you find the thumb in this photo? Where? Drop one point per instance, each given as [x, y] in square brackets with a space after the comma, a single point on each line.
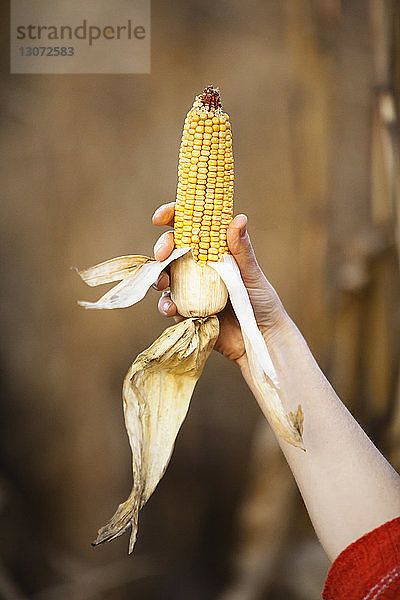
[240, 246]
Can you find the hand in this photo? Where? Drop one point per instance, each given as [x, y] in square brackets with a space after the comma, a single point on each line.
[269, 312]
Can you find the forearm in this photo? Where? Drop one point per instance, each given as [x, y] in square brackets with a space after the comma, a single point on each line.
[347, 485]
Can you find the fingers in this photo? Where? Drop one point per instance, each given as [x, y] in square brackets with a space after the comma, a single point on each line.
[164, 246]
[165, 305]
[241, 248]
[164, 215]
[167, 308]
[162, 282]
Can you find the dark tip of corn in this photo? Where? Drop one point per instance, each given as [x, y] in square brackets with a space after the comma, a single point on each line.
[211, 97]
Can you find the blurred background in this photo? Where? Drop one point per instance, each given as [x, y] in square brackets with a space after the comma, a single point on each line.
[313, 90]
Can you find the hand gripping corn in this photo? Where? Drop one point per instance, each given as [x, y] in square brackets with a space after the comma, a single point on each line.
[159, 385]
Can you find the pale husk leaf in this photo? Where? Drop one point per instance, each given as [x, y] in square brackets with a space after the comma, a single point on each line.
[197, 290]
[133, 287]
[156, 396]
[288, 425]
[114, 269]
[229, 272]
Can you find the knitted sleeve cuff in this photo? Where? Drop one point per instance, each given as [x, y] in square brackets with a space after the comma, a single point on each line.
[368, 569]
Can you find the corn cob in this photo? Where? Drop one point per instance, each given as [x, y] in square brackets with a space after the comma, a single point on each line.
[204, 198]
[204, 206]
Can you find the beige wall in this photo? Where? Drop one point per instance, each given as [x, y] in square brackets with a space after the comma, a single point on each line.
[85, 161]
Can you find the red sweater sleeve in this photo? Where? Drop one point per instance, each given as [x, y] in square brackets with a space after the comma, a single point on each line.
[369, 569]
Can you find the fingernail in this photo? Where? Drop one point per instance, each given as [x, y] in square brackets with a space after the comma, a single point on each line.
[156, 212]
[165, 306]
[158, 247]
[243, 229]
[157, 283]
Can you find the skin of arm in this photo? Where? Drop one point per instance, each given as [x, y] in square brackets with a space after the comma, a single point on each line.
[347, 485]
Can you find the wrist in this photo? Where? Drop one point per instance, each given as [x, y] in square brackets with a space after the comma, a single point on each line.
[280, 332]
[282, 339]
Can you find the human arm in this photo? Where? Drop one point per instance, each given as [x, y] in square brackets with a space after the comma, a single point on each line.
[347, 485]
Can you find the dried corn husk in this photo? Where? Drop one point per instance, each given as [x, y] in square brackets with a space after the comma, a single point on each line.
[137, 274]
[288, 425]
[114, 269]
[156, 395]
[159, 385]
[191, 284]
[197, 290]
